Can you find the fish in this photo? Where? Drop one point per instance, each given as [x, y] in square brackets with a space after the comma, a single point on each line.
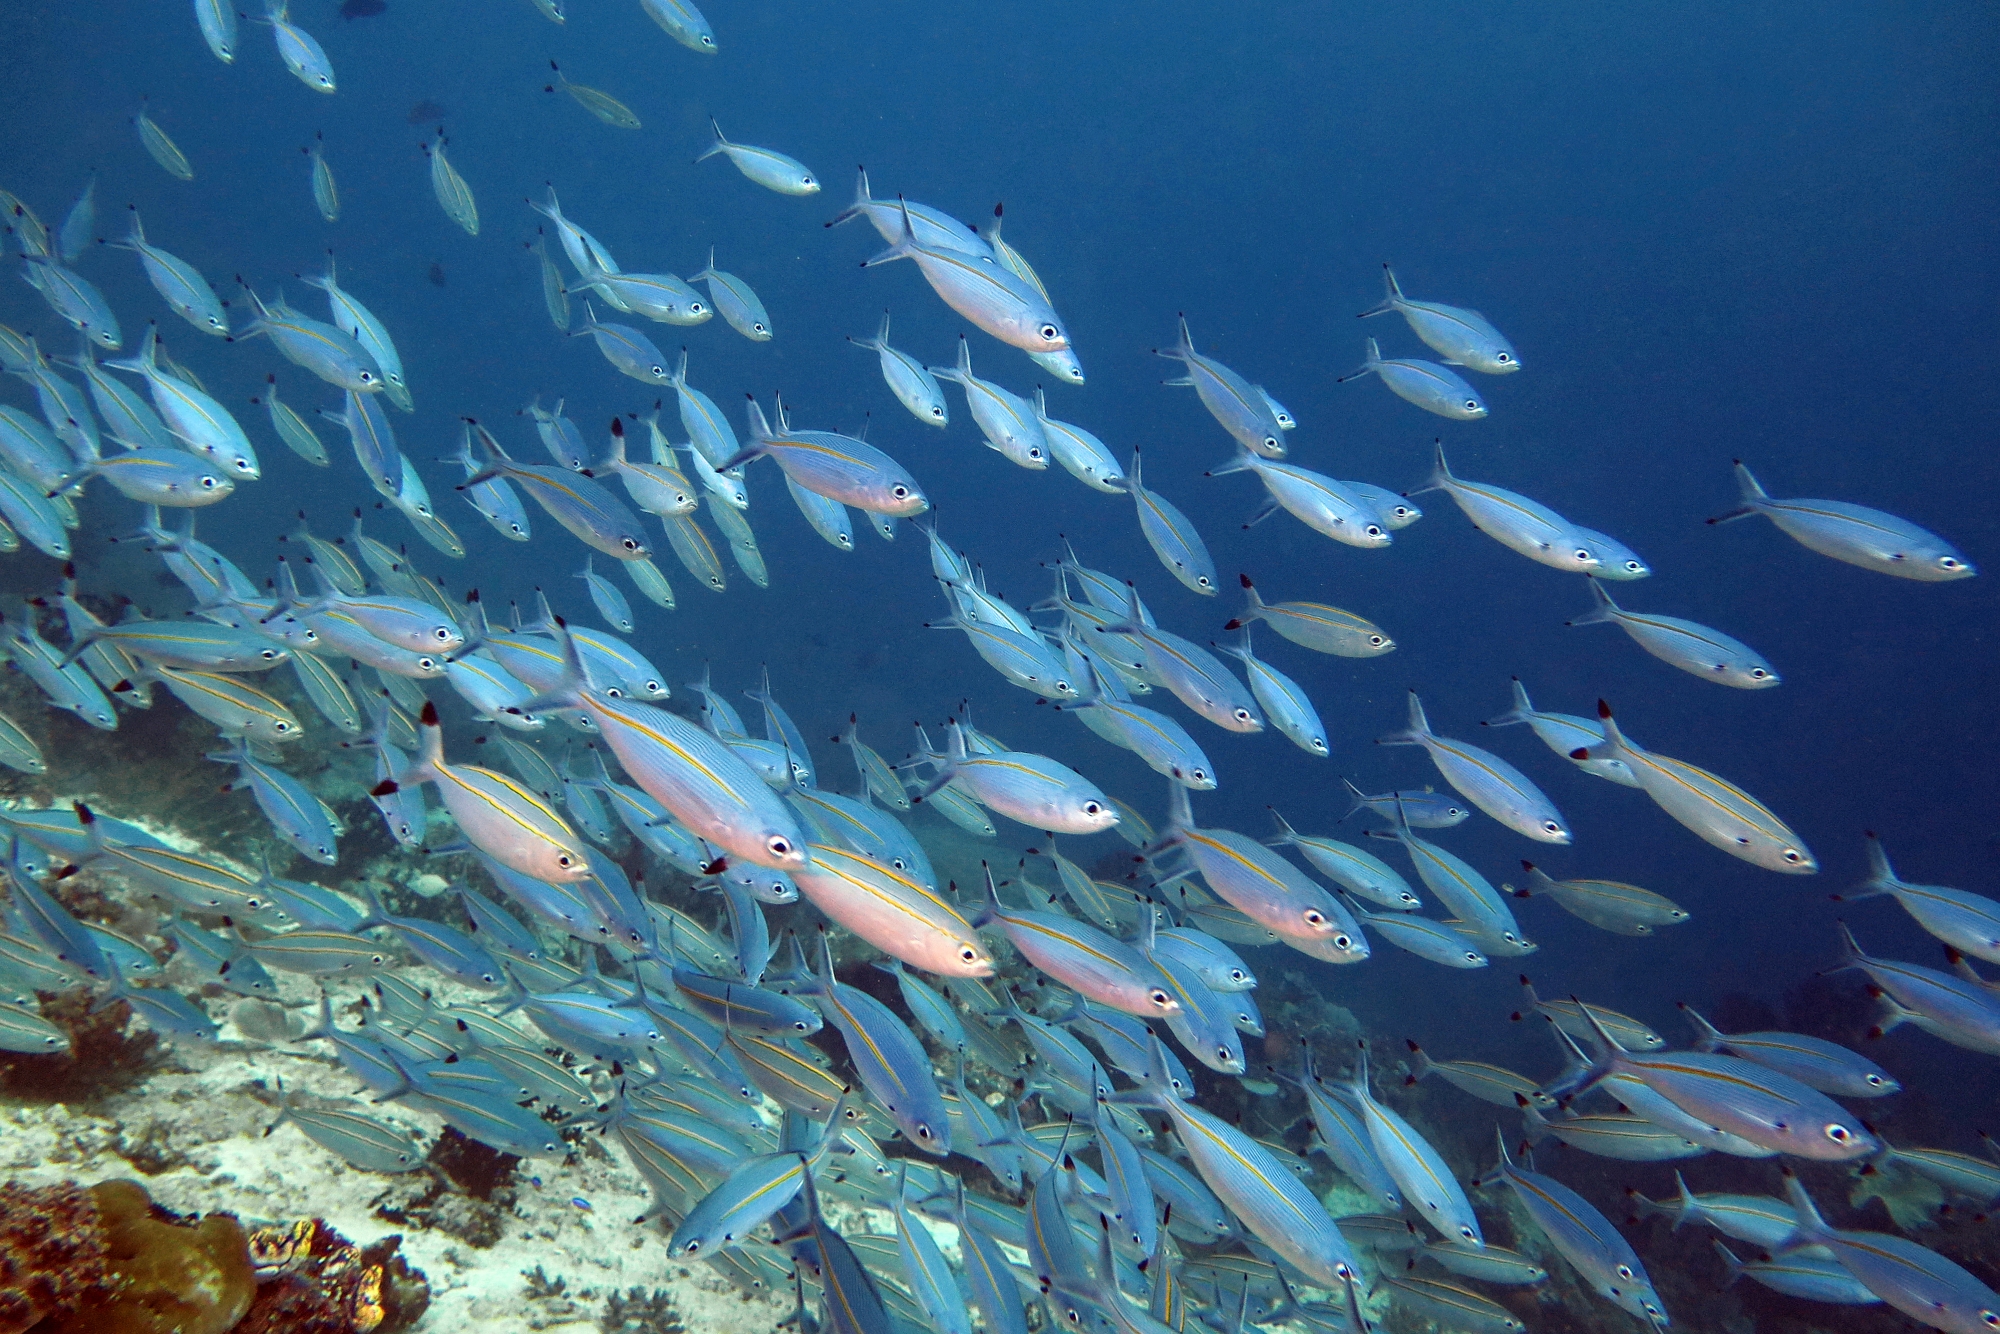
[301, 818]
[1314, 625]
[1957, 1009]
[1810, 1277]
[1488, 1083]
[76, 299]
[454, 196]
[739, 306]
[1814, 1062]
[1916, 1280]
[1237, 404]
[658, 296]
[159, 147]
[302, 54]
[1171, 535]
[1033, 789]
[184, 290]
[1251, 878]
[555, 295]
[1692, 647]
[599, 104]
[1611, 905]
[1160, 741]
[1514, 521]
[1452, 1305]
[656, 488]
[1331, 508]
[1080, 956]
[838, 467]
[1756, 1102]
[1716, 810]
[1462, 889]
[984, 293]
[680, 20]
[1360, 873]
[609, 601]
[1484, 779]
[1006, 420]
[361, 1141]
[1432, 387]
[1283, 700]
[1464, 337]
[503, 818]
[595, 516]
[765, 166]
[1276, 1207]
[217, 21]
[1563, 733]
[932, 226]
[891, 1062]
[1416, 1167]
[358, 322]
[1853, 533]
[325, 191]
[329, 352]
[1081, 454]
[1419, 808]
[1964, 921]
[914, 386]
[1585, 1238]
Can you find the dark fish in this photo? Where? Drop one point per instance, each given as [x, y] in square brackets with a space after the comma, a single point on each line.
[424, 112]
[363, 9]
[436, 274]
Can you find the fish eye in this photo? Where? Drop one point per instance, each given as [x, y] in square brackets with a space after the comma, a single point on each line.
[968, 953]
[1551, 827]
[693, 1245]
[1092, 808]
[1050, 333]
[441, 633]
[1342, 941]
[924, 1132]
[1474, 956]
[778, 845]
[427, 662]
[1758, 673]
[1238, 975]
[899, 491]
[209, 483]
[1270, 442]
[281, 726]
[1373, 530]
[1468, 1234]
[696, 308]
[1472, 405]
[1625, 1271]
[937, 412]
[1201, 775]
[1837, 1132]
[1314, 917]
[1875, 1081]
[1241, 715]
[1792, 857]
[1202, 579]
[1948, 562]
[758, 327]
[565, 861]
[1377, 641]
[1159, 998]
[1503, 358]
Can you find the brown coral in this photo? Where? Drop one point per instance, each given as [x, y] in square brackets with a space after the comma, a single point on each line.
[52, 1252]
[167, 1278]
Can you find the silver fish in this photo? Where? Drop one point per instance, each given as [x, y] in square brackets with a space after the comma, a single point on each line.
[1236, 403]
[986, 294]
[1853, 533]
[1694, 648]
[184, 290]
[739, 305]
[1171, 535]
[1514, 521]
[1563, 733]
[1314, 625]
[1432, 387]
[767, 167]
[1464, 337]
[1484, 779]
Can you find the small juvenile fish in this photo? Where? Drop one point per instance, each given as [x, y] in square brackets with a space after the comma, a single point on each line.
[1171, 535]
[555, 296]
[599, 104]
[1430, 386]
[302, 55]
[162, 149]
[1314, 625]
[1692, 647]
[1853, 533]
[1464, 337]
[1007, 420]
[1419, 808]
[1236, 403]
[739, 306]
[767, 167]
[326, 194]
[76, 299]
[1964, 921]
[454, 196]
[1484, 779]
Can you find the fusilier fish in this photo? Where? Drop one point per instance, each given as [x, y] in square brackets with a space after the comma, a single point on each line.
[1464, 337]
[767, 167]
[1853, 533]
[1432, 387]
[1692, 647]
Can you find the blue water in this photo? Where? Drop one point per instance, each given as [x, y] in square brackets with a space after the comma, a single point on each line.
[1712, 231]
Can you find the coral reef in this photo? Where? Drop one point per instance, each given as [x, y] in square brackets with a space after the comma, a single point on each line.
[52, 1252]
[641, 1312]
[165, 1277]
